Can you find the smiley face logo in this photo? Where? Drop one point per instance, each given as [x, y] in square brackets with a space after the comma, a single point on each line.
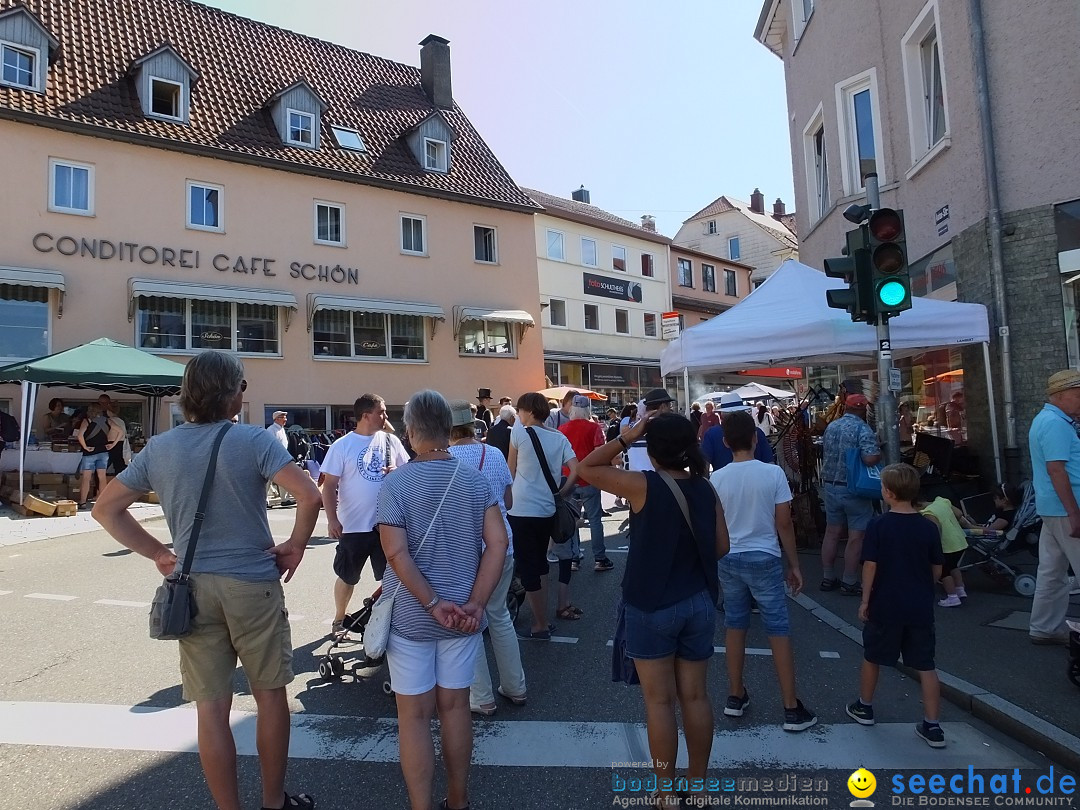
[861, 783]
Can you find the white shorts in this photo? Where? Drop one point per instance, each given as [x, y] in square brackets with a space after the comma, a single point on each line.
[417, 666]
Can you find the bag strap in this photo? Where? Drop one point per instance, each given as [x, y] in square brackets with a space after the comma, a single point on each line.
[680, 499]
[543, 460]
[204, 497]
[434, 516]
[483, 452]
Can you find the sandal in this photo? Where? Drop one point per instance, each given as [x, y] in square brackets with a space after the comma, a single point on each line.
[517, 700]
[484, 709]
[829, 584]
[569, 613]
[300, 800]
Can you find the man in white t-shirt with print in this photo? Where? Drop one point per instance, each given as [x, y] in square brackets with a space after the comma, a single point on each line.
[352, 475]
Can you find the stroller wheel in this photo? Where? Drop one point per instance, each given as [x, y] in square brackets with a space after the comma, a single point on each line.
[326, 671]
[1025, 585]
[387, 689]
[337, 666]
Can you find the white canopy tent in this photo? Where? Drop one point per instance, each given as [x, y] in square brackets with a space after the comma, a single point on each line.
[786, 321]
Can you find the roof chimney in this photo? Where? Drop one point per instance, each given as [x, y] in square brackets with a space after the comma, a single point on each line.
[648, 222]
[757, 202]
[581, 195]
[778, 208]
[435, 70]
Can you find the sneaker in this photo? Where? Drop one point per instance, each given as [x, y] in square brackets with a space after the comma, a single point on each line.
[961, 593]
[575, 565]
[1050, 640]
[337, 630]
[603, 564]
[860, 713]
[551, 558]
[799, 718]
[854, 589]
[737, 705]
[931, 734]
[950, 601]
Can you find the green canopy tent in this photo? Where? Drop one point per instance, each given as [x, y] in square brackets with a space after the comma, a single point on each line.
[103, 365]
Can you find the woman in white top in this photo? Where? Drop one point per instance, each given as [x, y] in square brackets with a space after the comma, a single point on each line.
[764, 420]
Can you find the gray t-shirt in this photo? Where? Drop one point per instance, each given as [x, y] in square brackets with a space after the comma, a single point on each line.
[235, 533]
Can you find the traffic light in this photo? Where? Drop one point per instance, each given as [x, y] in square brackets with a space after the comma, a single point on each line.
[888, 257]
[854, 268]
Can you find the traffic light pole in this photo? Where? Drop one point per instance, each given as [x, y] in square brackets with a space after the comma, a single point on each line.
[887, 416]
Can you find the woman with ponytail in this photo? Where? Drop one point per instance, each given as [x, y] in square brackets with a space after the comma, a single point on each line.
[669, 590]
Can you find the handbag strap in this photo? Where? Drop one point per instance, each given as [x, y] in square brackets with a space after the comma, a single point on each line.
[680, 499]
[204, 497]
[434, 516]
[483, 452]
[543, 460]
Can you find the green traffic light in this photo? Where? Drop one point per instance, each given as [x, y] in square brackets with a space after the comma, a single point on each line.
[892, 293]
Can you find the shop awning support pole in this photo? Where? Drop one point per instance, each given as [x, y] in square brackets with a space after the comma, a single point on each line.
[686, 389]
[993, 411]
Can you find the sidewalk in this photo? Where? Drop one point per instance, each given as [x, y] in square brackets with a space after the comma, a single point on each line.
[16, 529]
[987, 664]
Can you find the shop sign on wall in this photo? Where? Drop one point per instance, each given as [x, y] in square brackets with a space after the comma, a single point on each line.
[669, 325]
[617, 288]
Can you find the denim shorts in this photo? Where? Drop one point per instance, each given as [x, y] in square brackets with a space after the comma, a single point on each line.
[98, 461]
[685, 629]
[843, 507]
[758, 574]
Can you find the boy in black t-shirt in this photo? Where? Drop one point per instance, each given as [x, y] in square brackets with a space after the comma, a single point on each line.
[901, 562]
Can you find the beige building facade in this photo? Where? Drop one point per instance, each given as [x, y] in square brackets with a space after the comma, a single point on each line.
[704, 286]
[334, 249]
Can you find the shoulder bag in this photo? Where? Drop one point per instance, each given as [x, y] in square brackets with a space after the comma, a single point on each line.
[863, 480]
[173, 607]
[567, 511]
[377, 633]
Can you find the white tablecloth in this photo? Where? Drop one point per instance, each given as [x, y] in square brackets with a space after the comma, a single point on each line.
[41, 461]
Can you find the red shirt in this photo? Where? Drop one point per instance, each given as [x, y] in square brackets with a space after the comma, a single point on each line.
[584, 435]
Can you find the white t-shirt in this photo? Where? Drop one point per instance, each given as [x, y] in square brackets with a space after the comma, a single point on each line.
[278, 432]
[532, 495]
[637, 457]
[358, 463]
[749, 492]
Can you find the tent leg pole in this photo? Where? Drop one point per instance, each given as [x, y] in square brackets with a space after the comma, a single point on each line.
[993, 411]
[686, 389]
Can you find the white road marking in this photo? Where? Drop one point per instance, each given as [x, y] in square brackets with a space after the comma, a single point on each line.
[508, 743]
[58, 597]
[13, 556]
[296, 617]
[719, 650]
[829, 654]
[5, 593]
[121, 603]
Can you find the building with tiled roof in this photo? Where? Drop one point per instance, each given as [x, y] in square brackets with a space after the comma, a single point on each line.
[192, 179]
[604, 288]
[743, 232]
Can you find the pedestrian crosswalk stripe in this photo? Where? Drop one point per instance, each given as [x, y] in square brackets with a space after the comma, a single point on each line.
[722, 650]
[5, 593]
[57, 596]
[121, 603]
[828, 654]
[523, 743]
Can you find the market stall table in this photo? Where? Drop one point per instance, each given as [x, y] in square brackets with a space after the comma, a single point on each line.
[40, 461]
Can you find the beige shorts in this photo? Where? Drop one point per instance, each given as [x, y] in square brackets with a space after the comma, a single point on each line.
[235, 619]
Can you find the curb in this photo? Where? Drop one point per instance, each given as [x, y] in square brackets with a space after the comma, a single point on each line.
[1019, 724]
[34, 531]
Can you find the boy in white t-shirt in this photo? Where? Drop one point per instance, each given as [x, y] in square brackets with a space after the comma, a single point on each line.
[757, 507]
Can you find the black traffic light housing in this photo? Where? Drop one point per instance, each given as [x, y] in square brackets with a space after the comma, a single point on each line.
[855, 269]
[890, 273]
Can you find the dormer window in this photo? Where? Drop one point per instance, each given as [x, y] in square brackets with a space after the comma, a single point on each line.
[349, 139]
[166, 99]
[434, 155]
[19, 66]
[301, 128]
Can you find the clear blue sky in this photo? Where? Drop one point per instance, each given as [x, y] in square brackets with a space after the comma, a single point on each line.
[654, 107]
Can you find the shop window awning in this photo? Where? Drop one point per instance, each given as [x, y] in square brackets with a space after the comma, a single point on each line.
[31, 277]
[344, 303]
[160, 288]
[518, 316]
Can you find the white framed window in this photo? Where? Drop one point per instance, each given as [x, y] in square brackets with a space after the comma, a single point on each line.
[710, 226]
[337, 334]
[731, 285]
[648, 265]
[71, 187]
[592, 318]
[435, 155]
[300, 128]
[618, 258]
[622, 321]
[188, 325]
[492, 338]
[924, 81]
[329, 223]
[557, 312]
[166, 99]
[649, 321]
[816, 158]
[25, 322]
[708, 277]
[485, 245]
[18, 65]
[801, 11]
[204, 206]
[686, 273]
[556, 247]
[413, 238]
[734, 250]
[349, 139]
[860, 130]
[588, 252]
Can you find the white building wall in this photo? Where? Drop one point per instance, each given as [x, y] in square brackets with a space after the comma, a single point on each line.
[757, 248]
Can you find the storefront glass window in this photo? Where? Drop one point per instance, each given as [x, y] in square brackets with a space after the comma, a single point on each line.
[485, 337]
[161, 323]
[179, 324]
[364, 335]
[369, 334]
[1067, 227]
[308, 418]
[330, 333]
[256, 328]
[24, 322]
[406, 337]
[210, 325]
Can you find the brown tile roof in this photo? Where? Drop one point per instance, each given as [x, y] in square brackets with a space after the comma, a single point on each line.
[242, 64]
[598, 216]
[777, 227]
[721, 205]
[788, 221]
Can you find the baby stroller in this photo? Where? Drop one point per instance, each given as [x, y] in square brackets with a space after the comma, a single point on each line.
[1074, 652]
[986, 548]
[334, 665]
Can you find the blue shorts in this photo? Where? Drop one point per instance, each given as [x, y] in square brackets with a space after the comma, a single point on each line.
[760, 575]
[685, 629]
[885, 644]
[842, 507]
[98, 461]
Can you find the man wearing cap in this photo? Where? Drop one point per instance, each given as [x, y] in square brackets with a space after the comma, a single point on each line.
[483, 396]
[847, 432]
[716, 452]
[585, 435]
[1055, 474]
[637, 456]
[276, 428]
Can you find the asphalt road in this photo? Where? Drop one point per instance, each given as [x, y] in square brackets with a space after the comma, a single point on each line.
[91, 714]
